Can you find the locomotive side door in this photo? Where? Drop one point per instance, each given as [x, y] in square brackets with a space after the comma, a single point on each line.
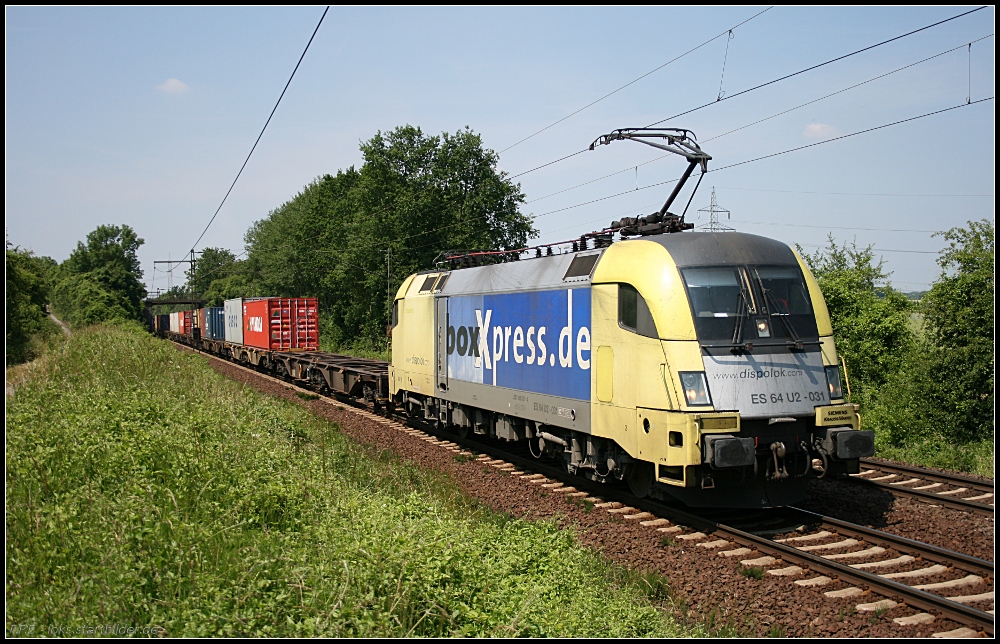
[441, 343]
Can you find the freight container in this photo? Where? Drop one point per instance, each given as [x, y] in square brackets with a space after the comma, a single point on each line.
[175, 324]
[281, 324]
[161, 323]
[213, 323]
[233, 311]
[186, 322]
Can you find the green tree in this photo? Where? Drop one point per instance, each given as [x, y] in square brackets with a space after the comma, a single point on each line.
[101, 280]
[870, 318]
[959, 312]
[352, 238]
[214, 264]
[229, 287]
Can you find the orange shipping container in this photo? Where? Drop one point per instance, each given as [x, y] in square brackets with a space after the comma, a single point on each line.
[185, 322]
[281, 324]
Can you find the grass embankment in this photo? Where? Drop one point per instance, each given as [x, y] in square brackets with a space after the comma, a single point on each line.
[973, 458]
[143, 489]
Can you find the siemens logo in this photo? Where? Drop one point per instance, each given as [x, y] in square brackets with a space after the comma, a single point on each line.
[536, 341]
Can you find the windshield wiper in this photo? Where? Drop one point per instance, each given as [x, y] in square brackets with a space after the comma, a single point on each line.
[742, 305]
[795, 341]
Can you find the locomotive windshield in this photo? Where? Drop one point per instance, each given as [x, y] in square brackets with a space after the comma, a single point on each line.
[750, 303]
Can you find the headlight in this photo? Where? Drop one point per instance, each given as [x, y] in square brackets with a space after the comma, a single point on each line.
[833, 382]
[695, 388]
[763, 328]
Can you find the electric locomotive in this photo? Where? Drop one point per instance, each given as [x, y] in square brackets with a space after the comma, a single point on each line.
[697, 366]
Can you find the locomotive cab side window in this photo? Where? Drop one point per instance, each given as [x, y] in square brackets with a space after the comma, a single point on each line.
[633, 312]
[395, 313]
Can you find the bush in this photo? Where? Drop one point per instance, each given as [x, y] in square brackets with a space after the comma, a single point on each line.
[79, 300]
[926, 389]
[28, 325]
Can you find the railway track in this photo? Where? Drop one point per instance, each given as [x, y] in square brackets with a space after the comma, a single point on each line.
[948, 490]
[822, 552]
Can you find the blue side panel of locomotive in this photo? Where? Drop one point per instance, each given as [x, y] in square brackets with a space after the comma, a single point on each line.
[538, 341]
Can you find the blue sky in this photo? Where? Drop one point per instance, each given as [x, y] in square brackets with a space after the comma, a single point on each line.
[143, 116]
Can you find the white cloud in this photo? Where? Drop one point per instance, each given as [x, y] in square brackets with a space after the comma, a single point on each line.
[820, 131]
[173, 86]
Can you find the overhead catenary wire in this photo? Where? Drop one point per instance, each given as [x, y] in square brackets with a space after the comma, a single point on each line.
[636, 80]
[886, 250]
[768, 156]
[854, 194]
[823, 64]
[263, 129]
[759, 121]
[845, 136]
[770, 82]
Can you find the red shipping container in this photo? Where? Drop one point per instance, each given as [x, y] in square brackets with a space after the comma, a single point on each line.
[281, 324]
[184, 322]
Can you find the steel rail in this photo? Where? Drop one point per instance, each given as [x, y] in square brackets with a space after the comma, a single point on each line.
[902, 544]
[888, 587]
[953, 502]
[984, 485]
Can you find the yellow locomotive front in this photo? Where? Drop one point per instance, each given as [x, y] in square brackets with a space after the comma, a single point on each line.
[716, 371]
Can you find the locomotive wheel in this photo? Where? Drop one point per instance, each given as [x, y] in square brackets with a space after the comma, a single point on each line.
[640, 478]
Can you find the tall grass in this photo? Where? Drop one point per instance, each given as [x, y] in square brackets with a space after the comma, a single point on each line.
[143, 489]
[977, 458]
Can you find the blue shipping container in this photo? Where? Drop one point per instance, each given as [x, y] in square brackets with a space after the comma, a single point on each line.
[214, 326]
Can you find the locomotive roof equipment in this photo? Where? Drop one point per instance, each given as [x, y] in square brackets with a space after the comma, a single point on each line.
[680, 142]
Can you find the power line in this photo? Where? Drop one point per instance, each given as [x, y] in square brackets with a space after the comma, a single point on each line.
[771, 82]
[768, 156]
[636, 80]
[883, 230]
[853, 194]
[808, 69]
[263, 128]
[841, 91]
[845, 136]
[719, 136]
[885, 250]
